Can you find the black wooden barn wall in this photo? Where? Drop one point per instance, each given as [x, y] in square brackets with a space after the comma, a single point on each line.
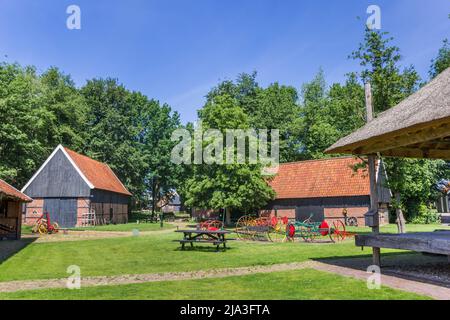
[316, 206]
[58, 179]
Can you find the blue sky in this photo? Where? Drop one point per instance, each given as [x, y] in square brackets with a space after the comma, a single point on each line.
[176, 50]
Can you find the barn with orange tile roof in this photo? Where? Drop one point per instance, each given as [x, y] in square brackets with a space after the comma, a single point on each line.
[76, 191]
[327, 188]
[11, 201]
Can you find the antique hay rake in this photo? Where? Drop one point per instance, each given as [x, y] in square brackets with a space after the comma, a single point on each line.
[271, 229]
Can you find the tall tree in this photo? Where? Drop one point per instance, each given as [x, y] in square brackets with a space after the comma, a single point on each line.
[37, 113]
[274, 107]
[380, 61]
[442, 61]
[226, 186]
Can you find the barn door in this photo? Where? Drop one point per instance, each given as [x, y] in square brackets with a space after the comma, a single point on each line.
[62, 211]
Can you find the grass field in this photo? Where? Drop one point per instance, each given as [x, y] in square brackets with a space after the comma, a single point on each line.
[158, 253]
[307, 284]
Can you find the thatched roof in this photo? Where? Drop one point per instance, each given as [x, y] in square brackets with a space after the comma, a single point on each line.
[417, 127]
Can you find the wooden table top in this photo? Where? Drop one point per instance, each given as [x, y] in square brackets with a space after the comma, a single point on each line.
[204, 231]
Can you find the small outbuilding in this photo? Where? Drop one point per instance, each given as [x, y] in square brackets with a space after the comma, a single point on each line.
[11, 203]
[327, 189]
[76, 191]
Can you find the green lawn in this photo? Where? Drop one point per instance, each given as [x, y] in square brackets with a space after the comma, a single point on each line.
[158, 253]
[392, 228]
[130, 227]
[304, 284]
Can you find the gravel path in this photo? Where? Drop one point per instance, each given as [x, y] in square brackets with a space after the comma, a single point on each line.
[14, 286]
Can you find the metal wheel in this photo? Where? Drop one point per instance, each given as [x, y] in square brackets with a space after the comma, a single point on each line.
[290, 232]
[42, 229]
[242, 226]
[338, 231]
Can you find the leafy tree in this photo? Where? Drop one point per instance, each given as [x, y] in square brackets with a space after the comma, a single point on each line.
[37, 112]
[328, 115]
[408, 179]
[274, 107]
[442, 61]
[229, 186]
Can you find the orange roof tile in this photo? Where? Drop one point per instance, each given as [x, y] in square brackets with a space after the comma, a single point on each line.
[12, 192]
[99, 174]
[320, 178]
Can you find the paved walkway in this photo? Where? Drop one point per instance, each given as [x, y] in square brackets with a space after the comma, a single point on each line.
[434, 291]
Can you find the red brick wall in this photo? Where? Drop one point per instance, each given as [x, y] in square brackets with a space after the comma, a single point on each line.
[33, 211]
[280, 213]
[338, 214]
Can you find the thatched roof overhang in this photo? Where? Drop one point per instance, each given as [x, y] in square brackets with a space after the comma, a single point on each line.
[418, 127]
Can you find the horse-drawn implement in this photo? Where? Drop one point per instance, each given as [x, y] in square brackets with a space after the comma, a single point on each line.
[44, 225]
[261, 229]
[311, 231]
[277, 229]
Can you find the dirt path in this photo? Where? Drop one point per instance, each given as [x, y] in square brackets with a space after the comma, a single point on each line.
[74, 235]
[430, 290]
[14, 286]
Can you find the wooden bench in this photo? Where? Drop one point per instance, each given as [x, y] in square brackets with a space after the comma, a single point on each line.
[215, 237]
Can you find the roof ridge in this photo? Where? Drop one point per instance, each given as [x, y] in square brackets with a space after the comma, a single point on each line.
[318, 160]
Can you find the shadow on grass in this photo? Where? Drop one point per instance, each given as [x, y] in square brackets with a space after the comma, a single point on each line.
[425, 268]
[8, 248]
[203, 248]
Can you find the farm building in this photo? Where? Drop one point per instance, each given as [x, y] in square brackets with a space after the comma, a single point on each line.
[76, 190]
[328, 189]
[11, 201]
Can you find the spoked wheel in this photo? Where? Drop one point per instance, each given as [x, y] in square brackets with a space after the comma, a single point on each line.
[242, 227]
[42, 229]
[276, 234]
[338, 231]
[290, 232]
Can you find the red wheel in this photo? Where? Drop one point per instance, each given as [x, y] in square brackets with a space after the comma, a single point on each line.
[324, 228]
[338, 231]
[290, 231]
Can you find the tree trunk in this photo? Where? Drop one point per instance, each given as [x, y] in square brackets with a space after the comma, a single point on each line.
[228, 216]
[401, 223]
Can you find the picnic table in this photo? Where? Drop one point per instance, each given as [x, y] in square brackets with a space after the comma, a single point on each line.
[215, 237]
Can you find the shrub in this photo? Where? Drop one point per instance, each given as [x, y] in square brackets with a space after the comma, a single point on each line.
[426, 215]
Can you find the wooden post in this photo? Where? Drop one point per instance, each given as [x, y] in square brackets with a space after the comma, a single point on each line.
[376, 252]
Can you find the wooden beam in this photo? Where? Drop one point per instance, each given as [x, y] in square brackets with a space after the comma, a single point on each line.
[406, 139]
[417, 153]
[372, 158]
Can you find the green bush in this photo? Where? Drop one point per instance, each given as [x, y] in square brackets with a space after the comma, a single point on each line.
[426, 215]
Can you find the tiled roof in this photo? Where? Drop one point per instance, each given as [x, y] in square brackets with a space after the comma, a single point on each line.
[99, 174]
[11, 192]
[320, 178]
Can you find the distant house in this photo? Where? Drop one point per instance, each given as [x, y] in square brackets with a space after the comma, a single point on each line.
[76, 190]
[11, 201]
[328, 189]
[171, 203]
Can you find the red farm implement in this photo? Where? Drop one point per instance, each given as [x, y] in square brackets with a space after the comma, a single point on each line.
[261, 229]
[313, 231]
[44, 225]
